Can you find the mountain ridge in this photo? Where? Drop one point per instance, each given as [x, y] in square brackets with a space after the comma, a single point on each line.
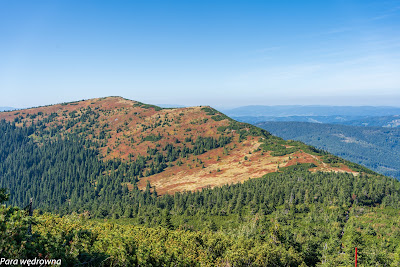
[190, 148]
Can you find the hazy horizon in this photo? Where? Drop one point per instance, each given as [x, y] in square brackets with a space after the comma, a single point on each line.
[229, 107]
[223, 54]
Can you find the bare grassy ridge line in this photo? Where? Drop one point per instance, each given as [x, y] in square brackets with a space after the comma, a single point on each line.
[126, 120]
[120, 113]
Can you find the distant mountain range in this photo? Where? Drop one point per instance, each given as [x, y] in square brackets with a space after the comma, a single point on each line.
[380, 121]
[170, 106]
[357, 116]
[284, 111]
[6, 108]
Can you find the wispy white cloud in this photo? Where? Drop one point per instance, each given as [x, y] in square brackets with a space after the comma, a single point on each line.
[372, 74]
[384, 16]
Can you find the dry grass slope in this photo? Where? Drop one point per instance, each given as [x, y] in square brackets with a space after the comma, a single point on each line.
[126, 129]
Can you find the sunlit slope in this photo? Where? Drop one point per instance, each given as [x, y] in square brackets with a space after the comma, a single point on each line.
[175, 149]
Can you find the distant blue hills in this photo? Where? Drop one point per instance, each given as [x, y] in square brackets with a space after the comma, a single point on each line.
[345, 115]
[366, 135]
[376, 148]
[283, 111]
[170, 106]
[6, 108]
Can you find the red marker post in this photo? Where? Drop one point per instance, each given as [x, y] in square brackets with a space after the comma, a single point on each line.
[356, 256]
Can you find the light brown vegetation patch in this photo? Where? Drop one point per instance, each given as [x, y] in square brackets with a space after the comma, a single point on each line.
[232, 168]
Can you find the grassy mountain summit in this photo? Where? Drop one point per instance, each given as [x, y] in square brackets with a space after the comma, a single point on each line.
[180, 148]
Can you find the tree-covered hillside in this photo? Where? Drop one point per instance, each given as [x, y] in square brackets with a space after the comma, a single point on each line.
[174, 149]
[380, 121]
[374, 147]
[107, 207]
[67, 173]
[392, 121]
[292, 218]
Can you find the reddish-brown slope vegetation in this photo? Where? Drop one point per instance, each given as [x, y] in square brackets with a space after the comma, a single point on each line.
[126, 129]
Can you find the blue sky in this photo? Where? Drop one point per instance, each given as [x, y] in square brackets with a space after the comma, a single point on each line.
[218, 53]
